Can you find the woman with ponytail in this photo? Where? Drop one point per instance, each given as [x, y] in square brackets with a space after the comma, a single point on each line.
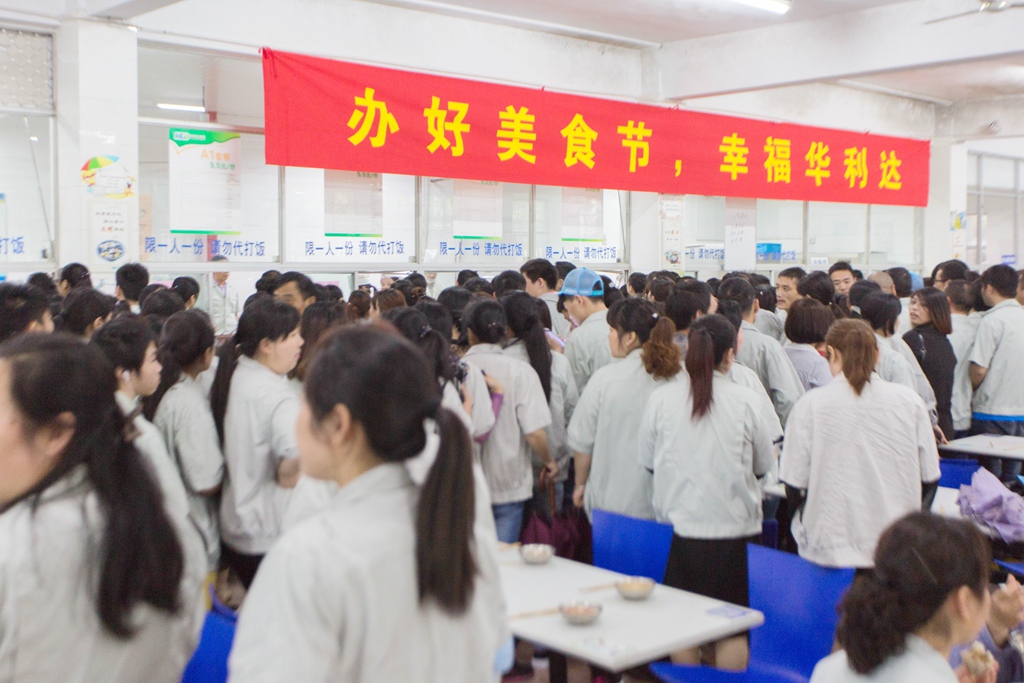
[927, 595]
[605, 426]
[706, 444]
[180, 410]
[519, 429]
[859, 455]
[254, 408]
[99, 579]
[396, 580]
[528, 341]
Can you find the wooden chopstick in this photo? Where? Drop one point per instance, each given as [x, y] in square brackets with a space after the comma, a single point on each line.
[535, 613]
[594, 589]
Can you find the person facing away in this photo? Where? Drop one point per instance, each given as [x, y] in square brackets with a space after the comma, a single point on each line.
[860, 453]
[604, 429]
[761, 353]
[393, 580]
[520, 427]
[180, 409]
[927, 594]
[965, 323]
[807, 325]
[254, 407]
[99, 580]
[998, 402]
[587, 349]
[705, 444]
[930, 317]
[131, 278]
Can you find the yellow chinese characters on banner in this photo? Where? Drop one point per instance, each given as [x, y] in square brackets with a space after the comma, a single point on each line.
[818, 162]
[734, 159]
[375, 111]
[890, 173]
[516, 136]
[856, 162]
[635, 140]
[439, 126]
[579, 142]
[778, 161]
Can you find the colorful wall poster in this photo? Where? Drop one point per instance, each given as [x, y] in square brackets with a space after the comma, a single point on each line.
[205, 182]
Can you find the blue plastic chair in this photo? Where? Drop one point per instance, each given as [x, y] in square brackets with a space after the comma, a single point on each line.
[799, 601]
[209, 663]
[631, 546]
[956, 473]
[1012, 567]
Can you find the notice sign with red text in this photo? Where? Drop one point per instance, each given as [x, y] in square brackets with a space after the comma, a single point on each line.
[322, 113]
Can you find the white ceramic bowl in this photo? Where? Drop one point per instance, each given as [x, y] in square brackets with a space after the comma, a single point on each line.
[635, 587]
[580, 612]
[536, 553]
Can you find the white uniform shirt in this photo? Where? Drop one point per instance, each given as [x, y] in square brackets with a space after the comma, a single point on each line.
[924, 387]
[150, 444]
[337, 600]
[746, 377]
[559, 324]
[259, 432]
[765, 356]
[892, 367]
[705, 471]
[50, 630]
[770, 324]
[965, 327]
[506, 457]
[862, 460]
[810, 366]
[564, 398]
[223, 308]
[919, 662]
[483, 410]
[607, 426]
[587, 349]
[186, 422]
[999, 346]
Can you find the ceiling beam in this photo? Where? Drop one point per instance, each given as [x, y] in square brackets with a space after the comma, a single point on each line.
[1000, 117]
[881, 39]
[123, 9]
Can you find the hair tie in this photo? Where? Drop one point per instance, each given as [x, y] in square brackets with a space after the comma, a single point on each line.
[432, 408]
[655, 315]
[424, 331]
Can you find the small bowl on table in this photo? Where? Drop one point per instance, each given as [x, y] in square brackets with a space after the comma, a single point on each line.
[580, 612]
[635, 587]
[536, 553]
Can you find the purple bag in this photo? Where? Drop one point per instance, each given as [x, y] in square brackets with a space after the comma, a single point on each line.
[994, 506]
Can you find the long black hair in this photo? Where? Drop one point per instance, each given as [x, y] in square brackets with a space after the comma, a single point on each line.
[185, 339]
[521, 315]
[266, 318]
[82, 307]
[140, 557]
[485, 318]
[390, 390]
[710, 338]
[654, 331]
[414, 326]
[919, 561]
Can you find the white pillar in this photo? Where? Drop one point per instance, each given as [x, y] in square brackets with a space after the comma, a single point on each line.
[96, 75]
[947, 197]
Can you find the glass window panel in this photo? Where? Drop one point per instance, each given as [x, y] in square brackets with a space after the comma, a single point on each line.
[26, 189]
[997, 229]
[481, 225]
[257, 240]
[349, 217]
[782, 223]
[997, 173]
[570, 221]
[972, 171]
[972, 229]
[835, 232]
[895, 235]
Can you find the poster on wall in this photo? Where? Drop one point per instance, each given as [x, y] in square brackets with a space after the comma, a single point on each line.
[353, 204]
[670, 215]
[958, 234]
[740, 234]
[477, 211]
[112, 211]
[582, 215]
[205, 182]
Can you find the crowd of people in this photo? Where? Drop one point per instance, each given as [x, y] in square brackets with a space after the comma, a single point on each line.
[351, 464]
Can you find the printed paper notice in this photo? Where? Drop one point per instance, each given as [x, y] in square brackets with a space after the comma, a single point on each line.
[205, 189]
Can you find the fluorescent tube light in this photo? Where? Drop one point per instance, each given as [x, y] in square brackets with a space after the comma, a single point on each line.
[776, 6]
[181, 107]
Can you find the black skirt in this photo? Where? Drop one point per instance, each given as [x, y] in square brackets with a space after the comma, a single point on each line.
[716, 568]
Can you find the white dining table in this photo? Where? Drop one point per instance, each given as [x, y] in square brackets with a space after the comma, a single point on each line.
[987, 445]
[628, 633]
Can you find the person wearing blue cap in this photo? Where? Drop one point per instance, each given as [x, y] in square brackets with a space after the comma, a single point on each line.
[587, 349]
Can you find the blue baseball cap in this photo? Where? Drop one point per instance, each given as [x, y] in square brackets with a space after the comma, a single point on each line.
[582, 282]
[916, 282]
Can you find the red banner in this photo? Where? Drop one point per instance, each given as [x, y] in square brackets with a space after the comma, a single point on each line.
[322, 113]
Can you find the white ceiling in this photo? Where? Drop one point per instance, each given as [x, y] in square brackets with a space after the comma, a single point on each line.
[655, 21]
[956, 82]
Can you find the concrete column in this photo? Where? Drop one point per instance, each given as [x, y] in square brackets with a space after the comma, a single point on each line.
[947, 197]
[96, 73]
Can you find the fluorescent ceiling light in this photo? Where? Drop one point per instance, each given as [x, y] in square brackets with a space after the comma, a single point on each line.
[181, 107]
[776, 6]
